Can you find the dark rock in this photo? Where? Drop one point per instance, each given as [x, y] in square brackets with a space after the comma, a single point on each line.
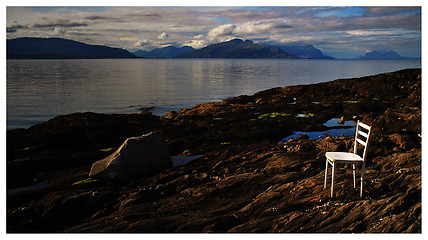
[302, 136]
[171, 115]
[146, 109]
[334, 145]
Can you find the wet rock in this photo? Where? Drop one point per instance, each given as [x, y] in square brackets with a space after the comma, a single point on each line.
[302, 137]
[146, 109]
[137, 157]
[171, 115]
[330, 144]
[403, 141]
[296, 145]
[147, 194]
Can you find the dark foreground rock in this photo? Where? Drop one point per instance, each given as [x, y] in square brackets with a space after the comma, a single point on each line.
[247, 180]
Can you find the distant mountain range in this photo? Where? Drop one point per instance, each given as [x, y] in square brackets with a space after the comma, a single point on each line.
[237, 48]
[58, 48]
[166, 52]
[307, 51]
[382, 55]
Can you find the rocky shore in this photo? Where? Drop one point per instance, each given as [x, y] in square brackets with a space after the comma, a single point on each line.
[245, 179]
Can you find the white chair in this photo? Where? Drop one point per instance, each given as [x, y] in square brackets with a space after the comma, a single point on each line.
[334, 158]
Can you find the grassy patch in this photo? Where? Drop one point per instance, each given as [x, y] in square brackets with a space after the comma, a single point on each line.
[409, 108]
[85, 173]
[307, 114]
[278, 114]
[84, 181]
[351, 101]
[185, 153]
[272, 115]
[26, 149]
[105, 149]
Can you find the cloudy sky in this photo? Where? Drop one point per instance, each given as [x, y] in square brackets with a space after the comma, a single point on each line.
[341, 32]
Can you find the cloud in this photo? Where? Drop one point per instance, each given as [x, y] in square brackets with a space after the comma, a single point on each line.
[14, 28]
[379, 11]
[58, 31]
[141, 43]
[163, 36]
[142, 16]
[221, 31]
[165, 44]
[10, 30]
[371, 32]
[249, 28]
[59, 23]
[263, 26]
[129, 39]
[146, 44]
[258, 13]
[196, 44]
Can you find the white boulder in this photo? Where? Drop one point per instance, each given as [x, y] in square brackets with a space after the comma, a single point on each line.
[138, 157]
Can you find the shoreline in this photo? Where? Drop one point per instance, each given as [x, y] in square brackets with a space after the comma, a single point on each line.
[152, 109]
[244, 175]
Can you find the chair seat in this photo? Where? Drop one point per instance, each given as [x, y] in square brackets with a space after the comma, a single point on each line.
[343, 157]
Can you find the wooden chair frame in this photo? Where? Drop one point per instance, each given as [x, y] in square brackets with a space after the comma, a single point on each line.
[334, 158]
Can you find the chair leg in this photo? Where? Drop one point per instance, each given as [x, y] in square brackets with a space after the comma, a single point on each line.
[332, 179]
[326, 173]
[362, 179]
[353, 171]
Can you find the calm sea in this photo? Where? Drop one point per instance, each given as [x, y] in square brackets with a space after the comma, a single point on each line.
[38, 90]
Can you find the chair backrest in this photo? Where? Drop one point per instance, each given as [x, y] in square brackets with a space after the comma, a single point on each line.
[362, 136]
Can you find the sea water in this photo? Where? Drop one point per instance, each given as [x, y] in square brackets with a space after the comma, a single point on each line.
[38, 90]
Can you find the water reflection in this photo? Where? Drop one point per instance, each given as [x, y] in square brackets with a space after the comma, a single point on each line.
[32, 188]
[346, 129]
[178, 161]
[38, 90]
[334, 122]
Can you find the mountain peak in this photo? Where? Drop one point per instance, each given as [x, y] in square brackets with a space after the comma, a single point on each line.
[236, 40]
[166, 52]
[40, 48]
[389, 54]
[305, 51]
[237, 48]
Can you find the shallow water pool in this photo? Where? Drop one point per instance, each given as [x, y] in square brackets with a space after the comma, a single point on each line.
[347, 129]
[178, 161]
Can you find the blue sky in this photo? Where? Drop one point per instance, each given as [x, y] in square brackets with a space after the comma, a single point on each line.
[341, 32]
